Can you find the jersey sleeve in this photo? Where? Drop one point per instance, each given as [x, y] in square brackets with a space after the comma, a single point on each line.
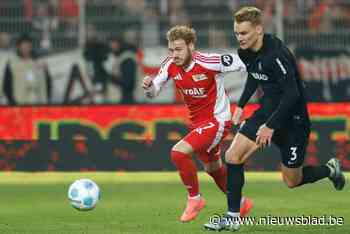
[249, 89]
[159, 80]
[284, 72]
[220, 62]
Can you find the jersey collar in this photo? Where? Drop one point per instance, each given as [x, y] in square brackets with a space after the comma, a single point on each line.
[190, 66]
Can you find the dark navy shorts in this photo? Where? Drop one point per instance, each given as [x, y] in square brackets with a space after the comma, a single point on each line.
[291, 140]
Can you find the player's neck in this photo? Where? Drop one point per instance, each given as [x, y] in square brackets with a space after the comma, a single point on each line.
[187, 64]
[259, 43]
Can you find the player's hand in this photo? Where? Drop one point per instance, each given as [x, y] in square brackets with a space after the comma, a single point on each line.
[264, 136]
[147, 82]
[236, 118]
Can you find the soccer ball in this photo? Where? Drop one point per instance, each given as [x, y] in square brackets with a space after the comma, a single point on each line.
[84, 194]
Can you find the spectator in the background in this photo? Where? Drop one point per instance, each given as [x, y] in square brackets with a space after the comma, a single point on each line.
[26, 80]
[69, 16]
[4, 42]
[95, 54]
[322, 16]
[150, 29]
[124, 68]
[177, 13]
[45, 21]
[268, 8]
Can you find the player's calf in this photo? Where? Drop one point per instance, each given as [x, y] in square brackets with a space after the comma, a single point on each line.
[292, 177]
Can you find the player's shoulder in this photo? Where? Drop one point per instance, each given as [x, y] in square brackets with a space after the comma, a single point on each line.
[275, 47]
[212, 60]
[166, 63]
[207, 58]
[275, 50]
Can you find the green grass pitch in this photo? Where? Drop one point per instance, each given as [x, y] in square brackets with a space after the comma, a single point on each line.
[151, 203]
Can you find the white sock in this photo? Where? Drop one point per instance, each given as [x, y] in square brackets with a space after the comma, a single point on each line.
[233, 214]
[195, 197]
[242, 200]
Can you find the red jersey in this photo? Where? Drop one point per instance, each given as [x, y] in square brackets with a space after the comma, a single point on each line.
[201, 84]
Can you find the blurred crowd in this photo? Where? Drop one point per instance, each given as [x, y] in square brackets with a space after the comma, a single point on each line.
[55, 23]
[105, 69]
[115, 30]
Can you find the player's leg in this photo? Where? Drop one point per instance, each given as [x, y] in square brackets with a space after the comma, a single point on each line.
[293, 150]
[295, 177]
[204, 138]
[181, 157]
[214, 166]
[239, 151]
[242, 147]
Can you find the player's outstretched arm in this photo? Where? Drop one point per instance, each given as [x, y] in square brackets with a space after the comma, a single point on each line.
[148, 87]
[153, 85]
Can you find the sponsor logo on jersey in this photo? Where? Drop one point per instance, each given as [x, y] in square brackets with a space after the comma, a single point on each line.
[259, 76]
[226, 60]
[178, 77]
[199, 77]
[195, 92]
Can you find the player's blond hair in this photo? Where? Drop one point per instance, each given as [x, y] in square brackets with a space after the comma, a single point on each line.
[186, 33]
[250, 14]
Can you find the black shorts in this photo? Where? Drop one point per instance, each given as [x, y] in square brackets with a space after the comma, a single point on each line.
[291, 140]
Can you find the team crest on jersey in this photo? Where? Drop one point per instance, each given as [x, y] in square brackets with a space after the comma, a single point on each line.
[199, 77]
[178, 77]
[226, 60]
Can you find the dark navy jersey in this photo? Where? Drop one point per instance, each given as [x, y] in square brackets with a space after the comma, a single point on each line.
[274, 69]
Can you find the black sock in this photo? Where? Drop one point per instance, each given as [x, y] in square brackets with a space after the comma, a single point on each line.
[235, 182]
[312, 174]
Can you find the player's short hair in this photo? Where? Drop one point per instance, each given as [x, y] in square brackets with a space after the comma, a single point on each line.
[184, 32]
[250, 14]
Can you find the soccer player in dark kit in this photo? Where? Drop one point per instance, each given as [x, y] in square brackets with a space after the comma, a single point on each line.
[282, 117]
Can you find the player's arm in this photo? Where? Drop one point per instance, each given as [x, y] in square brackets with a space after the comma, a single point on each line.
[284, 72]
[249, 89]
[220, 62]
[153, 85]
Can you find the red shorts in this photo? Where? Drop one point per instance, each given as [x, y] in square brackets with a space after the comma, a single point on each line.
[206, 139]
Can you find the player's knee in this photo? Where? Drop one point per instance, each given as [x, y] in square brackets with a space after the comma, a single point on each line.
[212, 166]
[291, 183]
[176, 156]
[233, 158]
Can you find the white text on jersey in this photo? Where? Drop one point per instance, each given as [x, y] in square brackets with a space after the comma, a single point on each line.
[259, 76]
[195, 92]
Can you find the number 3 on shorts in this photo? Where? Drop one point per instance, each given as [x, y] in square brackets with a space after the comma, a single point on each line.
[294, 153]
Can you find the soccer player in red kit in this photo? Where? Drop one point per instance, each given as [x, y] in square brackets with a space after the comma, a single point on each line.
[199, 78]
